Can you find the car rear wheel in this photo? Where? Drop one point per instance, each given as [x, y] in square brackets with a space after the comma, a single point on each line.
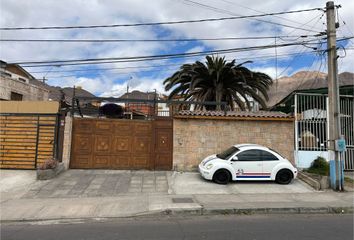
[284, 176]
[222, 176]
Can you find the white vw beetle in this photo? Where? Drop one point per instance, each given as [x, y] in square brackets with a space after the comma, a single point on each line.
[247, 162]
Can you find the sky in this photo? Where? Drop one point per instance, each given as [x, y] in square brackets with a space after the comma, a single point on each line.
[112, 79]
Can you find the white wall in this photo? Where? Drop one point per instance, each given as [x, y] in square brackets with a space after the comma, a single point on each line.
[304, 159]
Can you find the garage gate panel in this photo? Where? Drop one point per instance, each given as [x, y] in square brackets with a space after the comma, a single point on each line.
[112, 144]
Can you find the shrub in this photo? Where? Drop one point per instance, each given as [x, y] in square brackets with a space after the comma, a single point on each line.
[49, 163]
[319, 166]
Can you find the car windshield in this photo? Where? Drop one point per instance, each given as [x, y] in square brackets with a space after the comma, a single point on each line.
[228, 152]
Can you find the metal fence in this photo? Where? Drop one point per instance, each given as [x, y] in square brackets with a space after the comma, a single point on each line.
[138, 108]
[311, 128]
[347, 129]
[311, 122]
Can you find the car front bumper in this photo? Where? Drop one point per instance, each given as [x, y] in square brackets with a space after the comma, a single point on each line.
[205, 173]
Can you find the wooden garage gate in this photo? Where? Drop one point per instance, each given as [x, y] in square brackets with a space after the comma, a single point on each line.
[26, 140]
[122, 144]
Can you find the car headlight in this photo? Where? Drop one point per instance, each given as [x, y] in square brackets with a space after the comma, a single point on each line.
[209, 166]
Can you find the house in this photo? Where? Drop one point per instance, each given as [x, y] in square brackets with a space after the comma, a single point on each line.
[146, 108]
[309, 103]
[16, 84]
[65, 96]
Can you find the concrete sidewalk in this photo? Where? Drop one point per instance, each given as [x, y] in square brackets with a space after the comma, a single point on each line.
[80, 194]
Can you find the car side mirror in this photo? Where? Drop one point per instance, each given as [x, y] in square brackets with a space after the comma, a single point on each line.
[235, 158]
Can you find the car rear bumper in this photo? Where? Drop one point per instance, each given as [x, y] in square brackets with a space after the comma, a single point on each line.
[295, 172]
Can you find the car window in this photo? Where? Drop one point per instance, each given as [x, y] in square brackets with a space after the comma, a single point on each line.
[276, 152]
[267, 156]
[249, 155]
[227, 153]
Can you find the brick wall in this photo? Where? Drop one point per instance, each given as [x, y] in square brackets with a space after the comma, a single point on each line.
[194, 139]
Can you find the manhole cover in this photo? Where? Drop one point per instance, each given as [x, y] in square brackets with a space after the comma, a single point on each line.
[182, 200]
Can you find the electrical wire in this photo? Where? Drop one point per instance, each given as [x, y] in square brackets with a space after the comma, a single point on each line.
[159, 40]
[164, 56]
[255, 19]
[175, 64]
[252, 9]
[303, 48]
[166, 23]
[143, 58]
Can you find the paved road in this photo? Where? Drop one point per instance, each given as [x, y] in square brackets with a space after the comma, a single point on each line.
[254, 227]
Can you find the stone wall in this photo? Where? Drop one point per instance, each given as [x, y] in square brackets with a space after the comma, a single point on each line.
[195, 139]
[67, 141]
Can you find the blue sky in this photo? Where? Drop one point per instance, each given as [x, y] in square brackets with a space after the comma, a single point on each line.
[112, 79]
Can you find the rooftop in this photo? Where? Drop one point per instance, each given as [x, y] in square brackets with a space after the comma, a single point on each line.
[234, 115]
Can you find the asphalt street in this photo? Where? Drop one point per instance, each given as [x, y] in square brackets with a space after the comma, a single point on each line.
[243, 227]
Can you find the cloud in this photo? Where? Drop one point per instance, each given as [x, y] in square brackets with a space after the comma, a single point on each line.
[143, 85]
[91, 12]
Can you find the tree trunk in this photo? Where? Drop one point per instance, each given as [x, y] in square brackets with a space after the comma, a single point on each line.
[218, 96]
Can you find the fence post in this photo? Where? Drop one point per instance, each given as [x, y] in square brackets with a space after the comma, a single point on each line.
[67, 141]
[37, 142]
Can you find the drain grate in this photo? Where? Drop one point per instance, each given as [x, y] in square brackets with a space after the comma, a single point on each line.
[182, 200]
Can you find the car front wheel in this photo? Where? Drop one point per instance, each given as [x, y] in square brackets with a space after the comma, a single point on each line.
[222, 176]
[284, 176]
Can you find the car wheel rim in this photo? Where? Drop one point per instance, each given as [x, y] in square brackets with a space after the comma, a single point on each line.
[284, 177]
[222, 177]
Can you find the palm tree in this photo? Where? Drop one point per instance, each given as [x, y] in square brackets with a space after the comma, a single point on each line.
[219, 81]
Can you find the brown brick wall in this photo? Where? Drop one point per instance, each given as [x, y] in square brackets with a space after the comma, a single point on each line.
[194, 139]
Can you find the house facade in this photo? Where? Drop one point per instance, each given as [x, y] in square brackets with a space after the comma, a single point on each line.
[311, 124]
[15, 85]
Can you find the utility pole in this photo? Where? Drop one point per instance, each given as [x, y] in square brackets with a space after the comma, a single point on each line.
[333, 97]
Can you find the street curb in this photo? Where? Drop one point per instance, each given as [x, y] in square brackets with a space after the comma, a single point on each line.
[205, 212]
[254, 211]
[310, 181]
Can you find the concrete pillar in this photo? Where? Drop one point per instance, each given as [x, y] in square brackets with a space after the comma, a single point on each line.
[67, 141]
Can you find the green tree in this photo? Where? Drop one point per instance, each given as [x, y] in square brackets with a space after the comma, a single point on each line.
[220, 81]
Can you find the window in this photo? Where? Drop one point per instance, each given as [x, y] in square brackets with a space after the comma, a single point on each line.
[5, 74]
[227, 153]
[16, 96]
[267, 156]
[249, 155]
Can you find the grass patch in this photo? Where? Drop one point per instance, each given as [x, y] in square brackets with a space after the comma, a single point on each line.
[320, 166]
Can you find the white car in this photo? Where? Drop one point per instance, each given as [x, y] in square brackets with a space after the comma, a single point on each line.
[247, 162]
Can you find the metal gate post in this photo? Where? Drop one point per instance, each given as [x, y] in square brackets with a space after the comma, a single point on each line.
[296, 131]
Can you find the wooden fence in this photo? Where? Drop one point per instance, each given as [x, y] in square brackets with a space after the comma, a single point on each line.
[26, 140]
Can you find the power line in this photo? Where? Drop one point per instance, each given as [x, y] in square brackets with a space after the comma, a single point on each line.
[238, 15]
[174, 64]
[156, 70]
[167, 23]
[252, 9]
[163, 56]
[167, 56]
[158, 40]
